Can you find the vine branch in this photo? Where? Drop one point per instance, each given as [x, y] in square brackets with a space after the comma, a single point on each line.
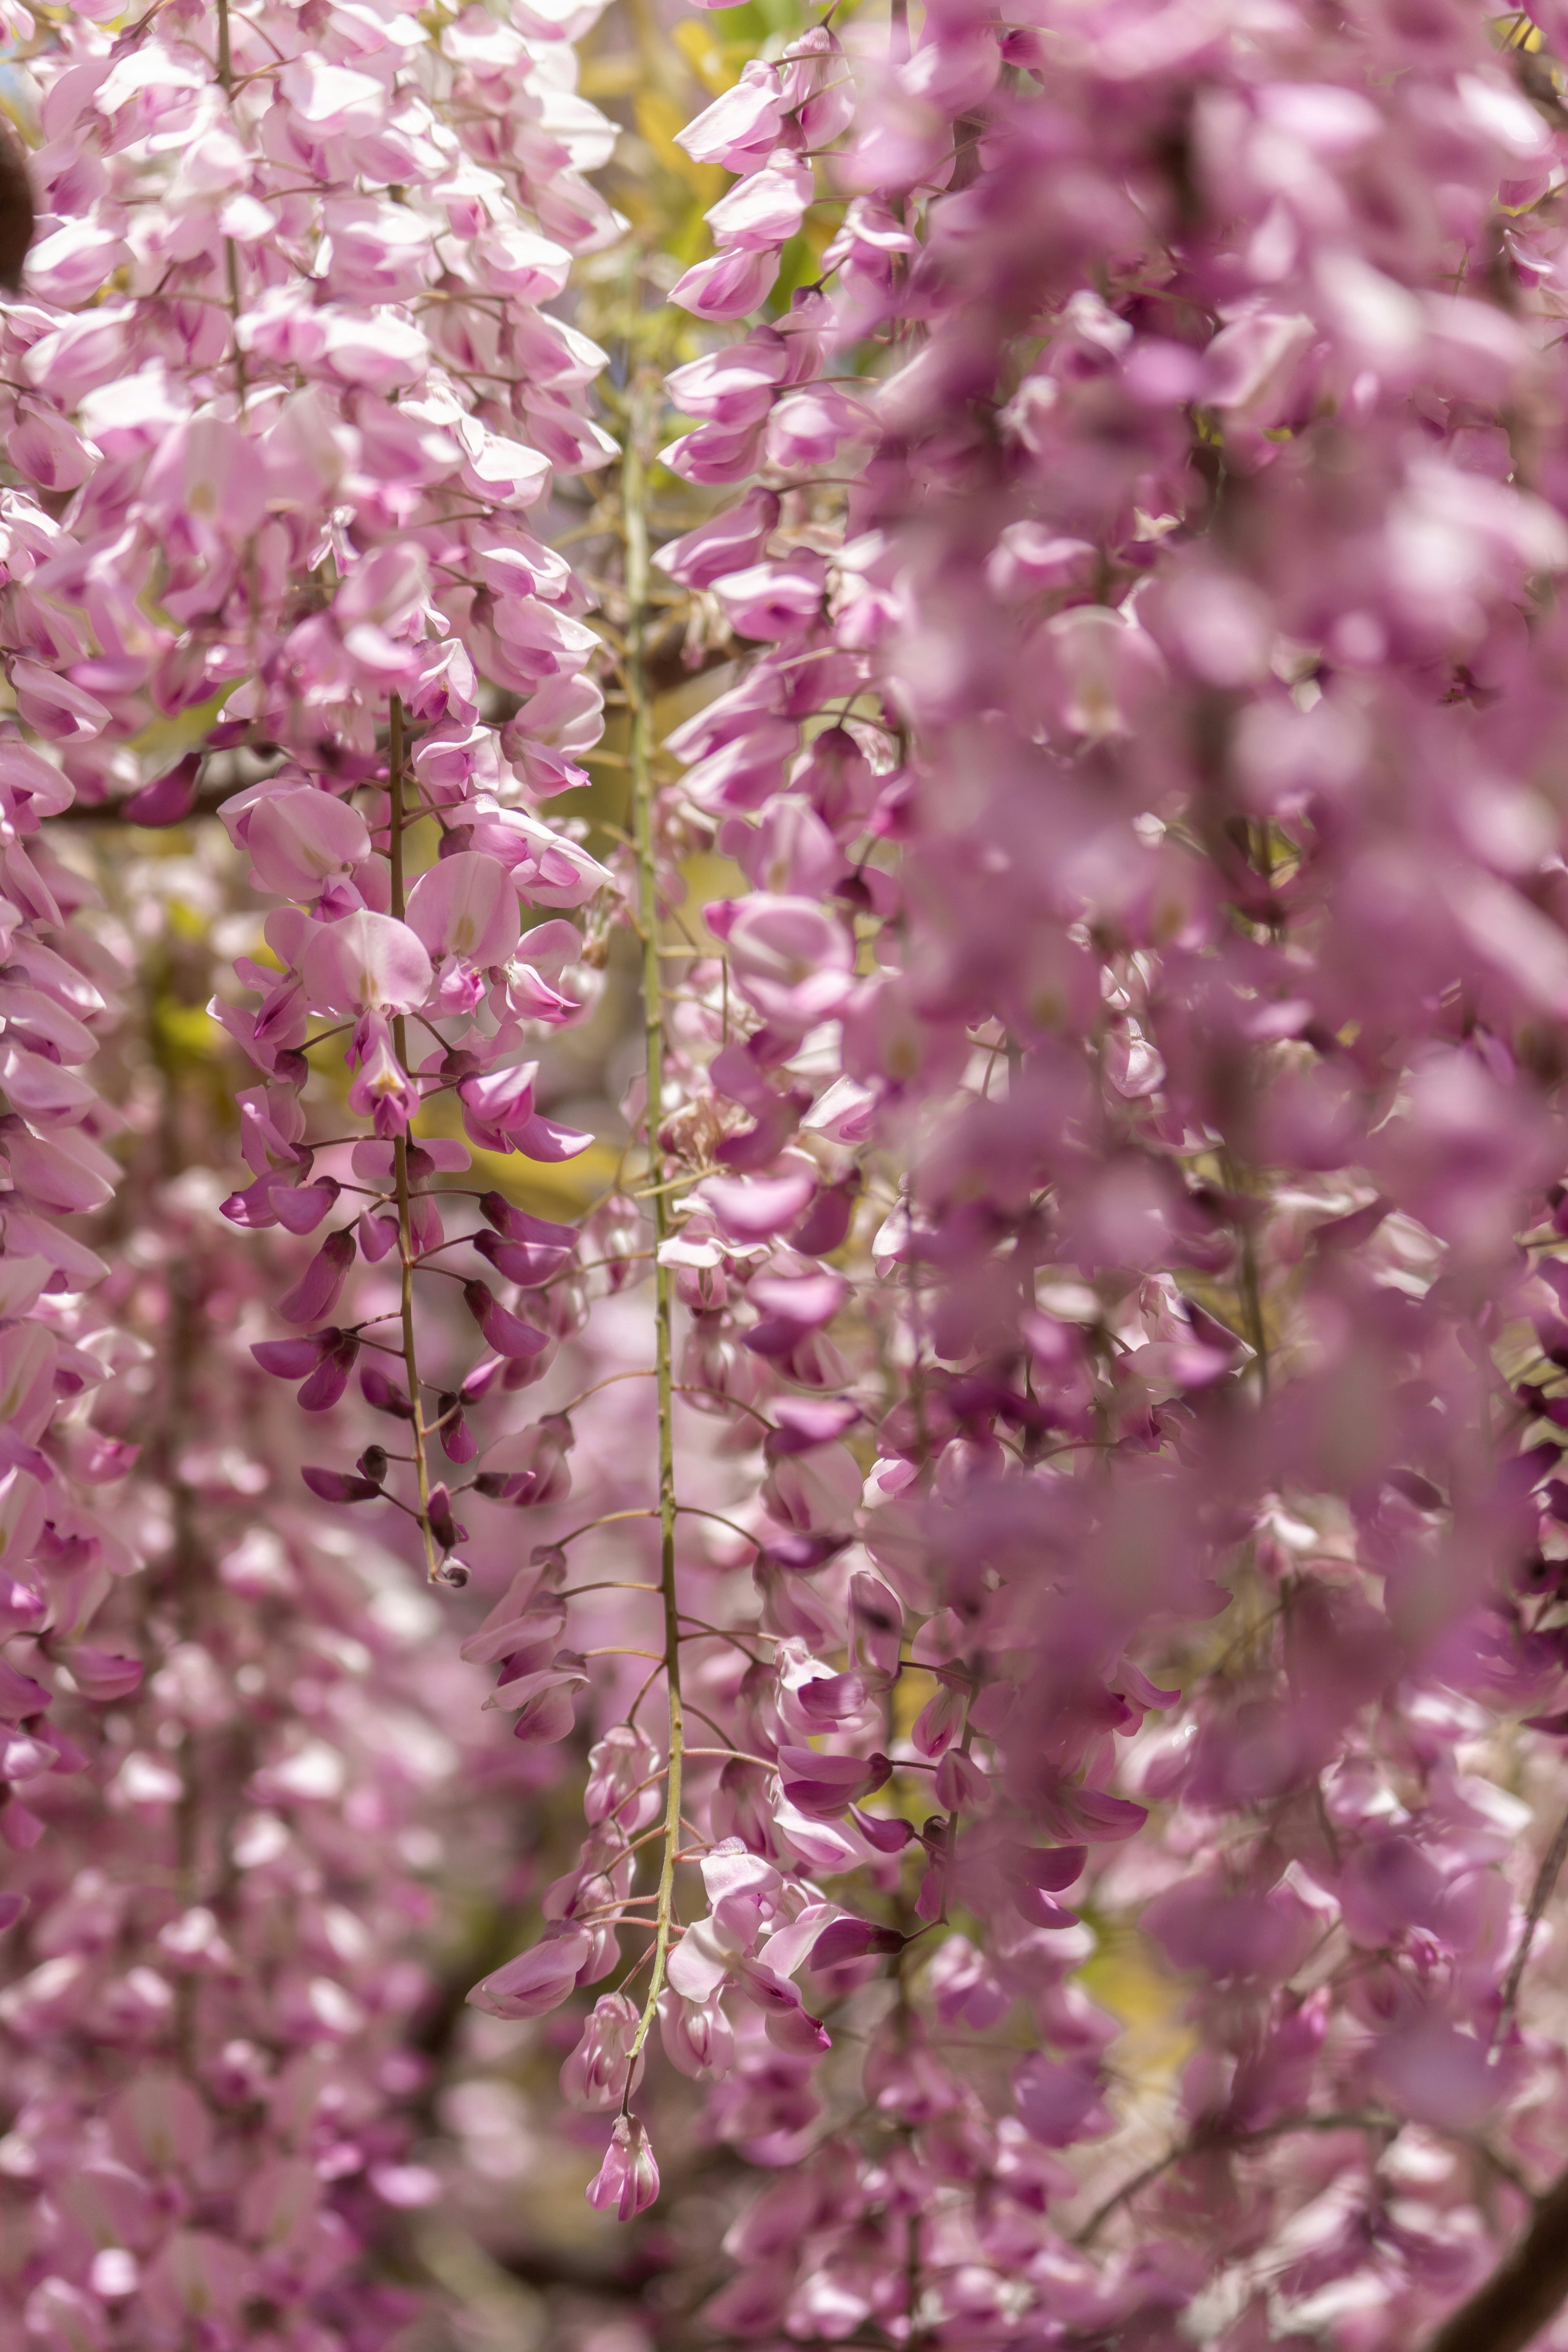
[1540, 1894]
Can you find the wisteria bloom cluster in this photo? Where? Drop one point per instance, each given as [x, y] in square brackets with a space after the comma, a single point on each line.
[1036, 1498]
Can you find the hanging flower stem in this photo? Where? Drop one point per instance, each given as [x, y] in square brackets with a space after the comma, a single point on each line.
[633, 491]
[405, 1248]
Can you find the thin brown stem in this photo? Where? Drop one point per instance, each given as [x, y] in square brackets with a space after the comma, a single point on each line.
[1540, 1894]
[406, 1249]
[1200, 2142]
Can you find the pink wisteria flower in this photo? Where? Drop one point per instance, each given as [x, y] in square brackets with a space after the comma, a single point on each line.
[1021, 1469]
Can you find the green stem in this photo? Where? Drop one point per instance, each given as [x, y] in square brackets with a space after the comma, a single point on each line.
[231, 272]
[400, 1150]
[1546, 1879]
[183, 1337]
[633, 491]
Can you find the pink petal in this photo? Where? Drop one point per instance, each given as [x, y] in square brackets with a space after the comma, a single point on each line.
[466, 906]
[365, 963]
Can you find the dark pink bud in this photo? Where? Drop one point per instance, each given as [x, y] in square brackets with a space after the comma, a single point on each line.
[315, 1292]
[794, 2029]
[340, 1486]
[458, 1440]
[330, 1377]
[168, 800]
[292, 1360]
[504, 1331]
[377, 1236]
[1053, 1866]
[852, 1939]
[531, 1232]
[482, 1379]
[826, 1225]
[1042, 1910]
[443, 1525]
[522, 1371]
[301, 1207]
[538, 1980]
[887, 1834]
[823, 1786]
[521, 1262]
[253, 1208]
[383, 1393]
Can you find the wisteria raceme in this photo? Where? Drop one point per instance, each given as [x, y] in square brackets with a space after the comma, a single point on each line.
[1081, 1524]
[208, 2059]
[61, 1548]
[1157, 920]
[283, 320]
[208, 2083]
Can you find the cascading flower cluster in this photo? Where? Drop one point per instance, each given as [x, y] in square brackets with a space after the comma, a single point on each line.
[62, 1546]
[206, 2027]
[285, 354]
[278, 394]
[1145, 775]
[1101, 1497]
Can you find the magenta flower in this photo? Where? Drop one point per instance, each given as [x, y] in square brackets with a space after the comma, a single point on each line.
[306, 845]
[499, 1116]
[537, 1980]
[465, 912]
[600, 2072]
[366, 963]
[319, 1288]
[728, 285]
[628, 2181]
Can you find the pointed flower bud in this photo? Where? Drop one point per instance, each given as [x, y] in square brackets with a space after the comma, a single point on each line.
[598, 2072]
[628, 2181]
[318, 1287]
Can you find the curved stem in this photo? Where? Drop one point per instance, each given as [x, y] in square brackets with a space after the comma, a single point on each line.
[1527, 2289]
[1546, 1879]
[1199, 2141]
[696, 1511]
[736, 1755]
[608, 1519]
